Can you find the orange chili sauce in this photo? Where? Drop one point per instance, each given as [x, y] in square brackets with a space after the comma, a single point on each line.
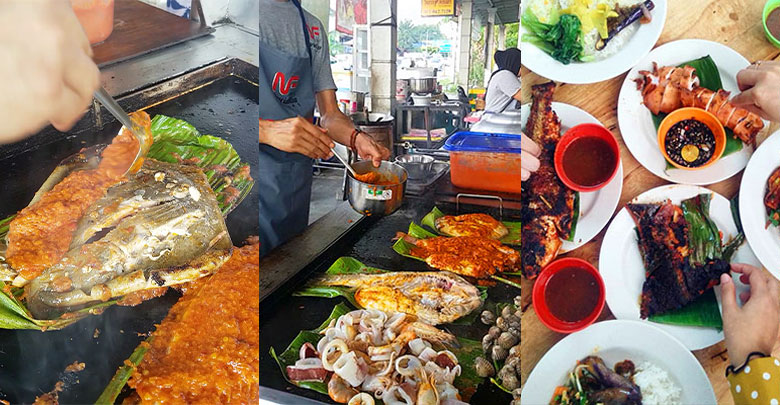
[40, 235]
[377, 179]
[207, 349]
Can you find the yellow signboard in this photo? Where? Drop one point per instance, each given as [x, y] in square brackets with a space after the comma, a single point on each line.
[438, 8]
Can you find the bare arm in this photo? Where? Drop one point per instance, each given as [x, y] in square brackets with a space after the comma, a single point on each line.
[340, 128]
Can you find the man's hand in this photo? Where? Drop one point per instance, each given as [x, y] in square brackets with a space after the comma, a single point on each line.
[296, 135]
[529, 157]
[754, 326]
[368, 149]
[47, 74]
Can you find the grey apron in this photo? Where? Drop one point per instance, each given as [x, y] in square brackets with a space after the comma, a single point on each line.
[286, 91]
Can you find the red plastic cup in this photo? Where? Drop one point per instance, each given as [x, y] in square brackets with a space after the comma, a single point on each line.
[583, 131]
[540, 291]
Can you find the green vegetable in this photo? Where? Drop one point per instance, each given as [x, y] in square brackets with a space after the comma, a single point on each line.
[114, 387]
[560, 40]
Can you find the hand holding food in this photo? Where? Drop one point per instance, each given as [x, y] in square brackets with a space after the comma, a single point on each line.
[754, 326]
[760, 85]
[297, 135]
[367, 148]
[529, 158]
[47, 70]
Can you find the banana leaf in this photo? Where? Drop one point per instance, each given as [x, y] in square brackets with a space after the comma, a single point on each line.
[703, 235]
[576, 216]
[404, 248]
[349, 265]
[709, 77]
[514, 228]
[466, 383]
[174, 141]
[702, 312]
[123, 373]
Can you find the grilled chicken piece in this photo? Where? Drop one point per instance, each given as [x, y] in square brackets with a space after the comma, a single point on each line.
[481, 225]
[161, 227]
[548, 205]
[434, 297]
[772, 197]
[671, 280]
[465, 255]
[668, 88]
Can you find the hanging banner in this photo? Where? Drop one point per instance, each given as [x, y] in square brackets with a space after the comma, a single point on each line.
[438, 8]
[349, 13]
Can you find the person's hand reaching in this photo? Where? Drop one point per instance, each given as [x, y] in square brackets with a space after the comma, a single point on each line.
[760, 86]
[529, 161]
[754, 326]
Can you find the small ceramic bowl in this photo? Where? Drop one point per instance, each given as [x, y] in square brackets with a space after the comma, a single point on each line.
[582, 131]
[768, 8]
[700, 115]
[540, 291]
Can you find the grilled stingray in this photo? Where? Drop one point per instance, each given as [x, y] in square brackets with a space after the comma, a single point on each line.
[672, 281]
[481, 225]
[464, 255]
[548, 205]
[160, 227]
[435, 297]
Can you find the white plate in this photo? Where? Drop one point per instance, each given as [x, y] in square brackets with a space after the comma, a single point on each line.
[633, 50]
[615, 341]
[764, 241]
[623, 271]
[596, 208]
[636, 122]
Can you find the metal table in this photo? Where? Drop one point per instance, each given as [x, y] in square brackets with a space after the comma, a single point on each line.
[403, 112]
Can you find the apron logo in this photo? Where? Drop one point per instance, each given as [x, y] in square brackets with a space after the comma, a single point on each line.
[313, 31]
[280, 85]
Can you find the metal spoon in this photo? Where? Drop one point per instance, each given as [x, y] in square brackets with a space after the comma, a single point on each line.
[344, 162]
[113, 107]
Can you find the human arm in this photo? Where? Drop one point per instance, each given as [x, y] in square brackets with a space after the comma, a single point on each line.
[760, 86]
[340, 128]
[47, 74]
[529, 157]
[296, 135]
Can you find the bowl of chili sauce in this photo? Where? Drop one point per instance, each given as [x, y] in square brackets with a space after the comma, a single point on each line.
[691, 138]
[569, 295]
[587, 157]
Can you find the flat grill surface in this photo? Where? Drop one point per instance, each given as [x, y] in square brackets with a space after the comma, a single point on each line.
[282, 316]
[31, 362]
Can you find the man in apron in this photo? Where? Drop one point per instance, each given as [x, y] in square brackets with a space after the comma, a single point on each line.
[294, 76]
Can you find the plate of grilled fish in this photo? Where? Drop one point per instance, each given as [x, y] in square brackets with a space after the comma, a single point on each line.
[759, 200]
[552, 211]
[665, 81]
[654, 261]
[673, 373]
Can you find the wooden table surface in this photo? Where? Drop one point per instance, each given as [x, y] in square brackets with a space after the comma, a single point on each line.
[735, 23]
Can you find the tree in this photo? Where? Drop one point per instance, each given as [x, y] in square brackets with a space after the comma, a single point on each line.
[336, 47]
[511, 35]
[411, 37]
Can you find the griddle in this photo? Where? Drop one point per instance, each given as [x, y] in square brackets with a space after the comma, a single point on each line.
[220, 99]
[282, 316]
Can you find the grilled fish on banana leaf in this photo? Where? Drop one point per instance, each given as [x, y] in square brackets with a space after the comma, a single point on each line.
[160, 227]
[465, 255]
[482, 225]
[435, 297]
[548, 205]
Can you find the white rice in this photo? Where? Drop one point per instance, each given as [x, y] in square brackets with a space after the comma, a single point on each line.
[656, 385]
[543, 10]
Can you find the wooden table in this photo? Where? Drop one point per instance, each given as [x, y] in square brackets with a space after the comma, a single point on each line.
[735, 23]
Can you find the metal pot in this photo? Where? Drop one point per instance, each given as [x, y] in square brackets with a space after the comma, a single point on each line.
[371, 199]
[423, 85]
[417, 166]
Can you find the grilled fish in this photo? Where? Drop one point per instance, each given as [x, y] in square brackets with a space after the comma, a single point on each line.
[671, 280]
[435, 297]
[464, 255]
[481, 225]
[548, 205]
[160, 227]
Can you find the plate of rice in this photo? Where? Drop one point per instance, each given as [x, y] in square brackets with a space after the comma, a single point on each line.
[584, 63]
[665, 371]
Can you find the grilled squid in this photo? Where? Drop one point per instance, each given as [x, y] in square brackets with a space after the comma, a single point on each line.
[351, 368]
[407, 365]
[361, 399]
[332, 352]
[397, 396]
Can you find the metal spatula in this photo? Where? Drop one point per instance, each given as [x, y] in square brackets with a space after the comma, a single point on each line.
[113, 107]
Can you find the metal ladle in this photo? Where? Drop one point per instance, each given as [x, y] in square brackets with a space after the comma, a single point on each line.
[113, 107]
[344, 162]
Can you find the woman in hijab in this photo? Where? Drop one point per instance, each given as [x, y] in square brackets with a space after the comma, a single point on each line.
[503, 90]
